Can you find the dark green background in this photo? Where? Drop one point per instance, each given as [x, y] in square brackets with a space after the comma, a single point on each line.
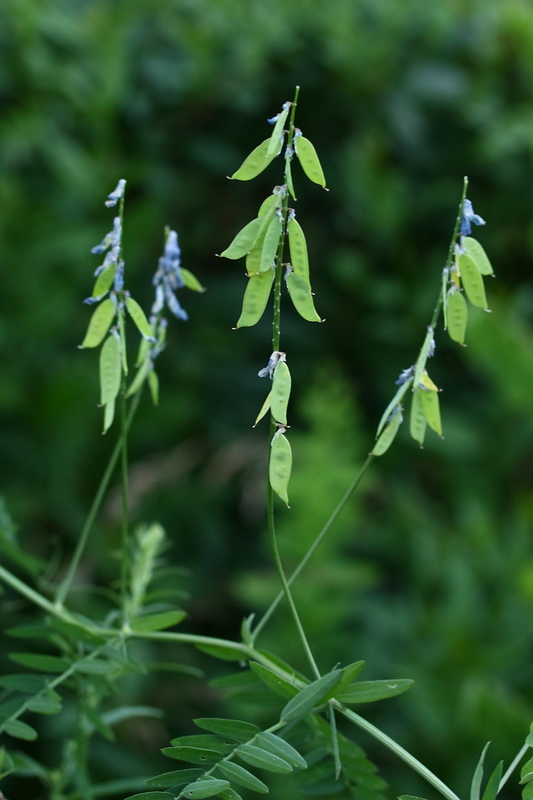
[429, 574]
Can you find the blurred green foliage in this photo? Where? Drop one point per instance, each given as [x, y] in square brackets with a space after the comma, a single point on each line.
[429, 573]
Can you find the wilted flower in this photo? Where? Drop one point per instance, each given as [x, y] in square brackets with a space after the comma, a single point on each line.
[168, 279]
[273, 362]
[405, 375]
[468, 217]
[116, 194]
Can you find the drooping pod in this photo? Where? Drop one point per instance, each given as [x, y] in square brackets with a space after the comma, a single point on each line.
[301, 297]
[276, 138]
[476, 252]
[243, 241]
[307, 155]
[426, 352]
[271, 243]
[298, 248]
[104, 281]
[417, 418]
[99, 323]
[139, 318]
[110, 369]
[255, 298]
[472, 281]
[388, 434]
[456, 315]
[280, 465]
[256, 162]
[281, 389]
[430, 405]
[264, 409]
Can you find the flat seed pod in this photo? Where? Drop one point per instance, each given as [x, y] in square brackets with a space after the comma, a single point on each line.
[301, 297]
[122, 339]
[388, 434]
[253, 259]
[255, 299]
[271, 202]
[427, 383]
[276, 138]
[423, 357]
[393, 404]
[139, 378]
[417, 421]
[280, 465]
[255, 163]
[298, 249]
[104, 281]
[270, 244]
[430, 405]
[110, 370]
[456, 316]
[281, 389]
[153, 385]
[99, 323]
[109, 415]
[288, 176]
[305, 150]
[191, 281]
[264, 409]
[477, 254]
[472, 281]
[243, 241]
[139, 318]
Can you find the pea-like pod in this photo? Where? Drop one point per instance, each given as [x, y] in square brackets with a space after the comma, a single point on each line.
[110, 369]
[307, 155]
[255, 163]
[276, 138]
[109, 415]
[301, 297]
[268, 205]
[122, 339]
[425, 352]
[243, 241]
[191, 281]
[281, 390]
[280, 466]
[288, 176]
[253, 259]
[388, 434]
[104, 281]
[139, 318]
[472, 281]
[99, 323]
[476, 252]
[264, 409]
[456, 315]
[255, 299]
[394, 403]
[298, 249]
[271, 243]
[153, 385]
[417, 418]
[430, 404]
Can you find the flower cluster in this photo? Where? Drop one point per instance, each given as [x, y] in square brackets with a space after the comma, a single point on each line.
[168, 279]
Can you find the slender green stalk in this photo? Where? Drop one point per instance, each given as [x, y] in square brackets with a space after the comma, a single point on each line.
[513, 765]
[125, 557]
[276, 339]
[331, 519]
[399, 751]
[65, 585]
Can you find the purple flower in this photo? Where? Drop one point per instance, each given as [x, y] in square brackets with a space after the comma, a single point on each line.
[468, 217]
[116, 194]
[168, 279]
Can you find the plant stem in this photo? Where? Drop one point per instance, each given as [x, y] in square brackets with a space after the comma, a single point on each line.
[513, 765]
[125, 559]
[331, 519]
[65, 585]
[398, 750]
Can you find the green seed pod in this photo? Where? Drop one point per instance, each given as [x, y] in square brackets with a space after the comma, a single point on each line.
[99, 323]
[394, 403]
[456, 315]
[425, 350]
[301, 297]
[281, 389]
[430, 405]
[308, 157]
[472, 281]
[276, 139]
[104, 281]
[255, 163]
[417, 420]
[298, 249]
[110, 369]
[191, 281]
[280, 465]
[477, 254]
[288, 176]
[255, 298]
[109, 415]
[139, 318]
[271, 244]
[264, 409]
[253, 259]
[122, 339]
[139, 378]
[388, 433]
[243, 241]
[153, 384]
